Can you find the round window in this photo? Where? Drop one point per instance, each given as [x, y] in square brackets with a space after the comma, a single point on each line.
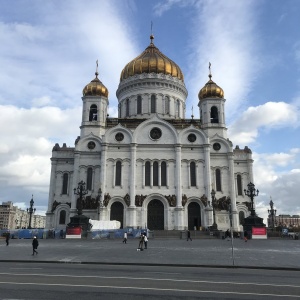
[119, 137]
[91, 145]
[216, 146]
[155, 133]
[192, 137]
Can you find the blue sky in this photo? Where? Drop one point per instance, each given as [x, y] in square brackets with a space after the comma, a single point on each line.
[48, 54]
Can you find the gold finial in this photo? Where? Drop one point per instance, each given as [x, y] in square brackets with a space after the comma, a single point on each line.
[209, 68]
[151, 36]
[96, 73]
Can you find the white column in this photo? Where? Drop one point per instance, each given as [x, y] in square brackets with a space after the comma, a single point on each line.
[132, 174]
[52, 184]
[159, 174]
[151, 174]
[76, 180]
[197, 176]
[208, 185]
[231, 178]
[143, 176]
[189, 174]
[178, 175]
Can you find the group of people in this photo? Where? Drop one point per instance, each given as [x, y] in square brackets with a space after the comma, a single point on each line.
[35, 243]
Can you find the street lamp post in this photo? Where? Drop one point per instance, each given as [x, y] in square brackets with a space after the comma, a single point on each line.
[80, 191]
[214, 200]
[31, 211]
[272, 214]
[253, 220]
[251, 193]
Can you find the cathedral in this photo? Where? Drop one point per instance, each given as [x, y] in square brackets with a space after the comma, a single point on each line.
[151, 167]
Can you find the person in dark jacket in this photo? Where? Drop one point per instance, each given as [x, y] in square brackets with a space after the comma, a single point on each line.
[188, 236]
[7, 238]
[35, 244]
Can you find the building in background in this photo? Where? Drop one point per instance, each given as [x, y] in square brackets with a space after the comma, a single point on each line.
[12, 217]
[152, 167]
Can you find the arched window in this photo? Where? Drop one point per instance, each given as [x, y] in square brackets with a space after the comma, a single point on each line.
[153, 104]
[139, 105]
[89, 179]
[155, 173]
[178, 108]
[147, 173]
[167, 105]
[239, 185]
[93, 113]
[241, 217]
[62, 217]
[163, 173]
[214, 116]
[193, 173]
[65, 183]
[127, 107]
[118, 173]
[218, 180]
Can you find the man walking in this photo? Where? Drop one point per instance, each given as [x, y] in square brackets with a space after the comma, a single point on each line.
[7, 238]
[35, 244]
[188, 236]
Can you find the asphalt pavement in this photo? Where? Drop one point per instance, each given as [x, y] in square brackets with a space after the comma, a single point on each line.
[267, 254]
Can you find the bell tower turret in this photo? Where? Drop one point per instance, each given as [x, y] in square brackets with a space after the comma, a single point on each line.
[212, 108]
[95, 106]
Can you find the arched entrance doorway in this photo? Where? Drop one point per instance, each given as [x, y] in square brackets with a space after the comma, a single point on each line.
[117, 212]
[194, 216]
[155, 219]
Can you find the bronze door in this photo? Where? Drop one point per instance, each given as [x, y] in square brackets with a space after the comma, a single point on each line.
[155, 220]
[117, 212]
[194, 216]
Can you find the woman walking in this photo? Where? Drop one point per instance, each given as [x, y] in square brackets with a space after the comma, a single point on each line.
[35, 244]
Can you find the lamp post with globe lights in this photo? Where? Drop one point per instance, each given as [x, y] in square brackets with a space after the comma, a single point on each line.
[31, 211]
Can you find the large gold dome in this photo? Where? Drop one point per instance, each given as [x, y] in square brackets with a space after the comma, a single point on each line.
[211, 90]
[95, 88]
[151, 61]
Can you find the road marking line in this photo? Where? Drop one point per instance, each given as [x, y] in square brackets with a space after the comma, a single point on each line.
[151, 289]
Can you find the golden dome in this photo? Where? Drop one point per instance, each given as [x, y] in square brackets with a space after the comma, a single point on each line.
[95, 88]
[151, 61]
[211, 90]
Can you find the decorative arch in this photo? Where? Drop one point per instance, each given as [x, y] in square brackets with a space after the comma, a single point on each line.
[117, 212]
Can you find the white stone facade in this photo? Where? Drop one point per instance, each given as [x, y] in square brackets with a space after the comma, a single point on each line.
[155, 168]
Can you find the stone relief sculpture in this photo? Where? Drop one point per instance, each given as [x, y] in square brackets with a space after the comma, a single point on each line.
[171, 199]
[127, 199]
[204, 200]
[106, 199]
[139, 199]
[184, 200]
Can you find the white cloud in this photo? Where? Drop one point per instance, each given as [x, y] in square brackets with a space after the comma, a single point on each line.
[267, 116]
[229, 40]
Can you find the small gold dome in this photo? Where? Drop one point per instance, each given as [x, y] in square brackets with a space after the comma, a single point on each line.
[151, 61]
[211, 90]
[95, 88]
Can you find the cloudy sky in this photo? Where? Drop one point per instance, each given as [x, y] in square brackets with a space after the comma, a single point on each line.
[48, 53]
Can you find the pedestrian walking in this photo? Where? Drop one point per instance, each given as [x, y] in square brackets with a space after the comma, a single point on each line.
[227, 234]
[7, 238]
[188, 236]
[145, 241]
[35, 244]
[245, 235]
[141, 243]
[125, 238]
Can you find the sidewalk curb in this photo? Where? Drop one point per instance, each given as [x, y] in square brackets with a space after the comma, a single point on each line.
[153, 265]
